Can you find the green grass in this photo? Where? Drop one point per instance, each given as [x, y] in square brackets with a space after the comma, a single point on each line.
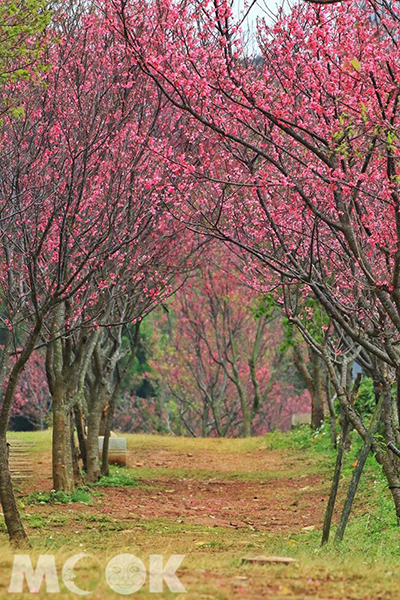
[39, 440]
[95, 518]
[79, 495]
[364, 566]
[373, 531]
[195, 445]
[35, 521]
[118, 477]
[167, 473]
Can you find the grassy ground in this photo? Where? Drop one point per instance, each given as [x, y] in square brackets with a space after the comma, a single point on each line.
[217, 502]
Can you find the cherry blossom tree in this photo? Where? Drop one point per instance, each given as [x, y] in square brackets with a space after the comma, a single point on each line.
[304, 173]
[168, 257]
[221, 355]
[326, 155]
[81, 220]
[32, 397]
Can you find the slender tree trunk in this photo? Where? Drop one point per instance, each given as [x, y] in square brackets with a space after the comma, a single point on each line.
[301, 363]
[332, 419]
[317, 407]
[217, 418]
[78, 480]
[66, 370]
[386, 459]
[120, 375]
[358, 471]
[12, 517]
[103, 420]
[390, 468]
[80, 429]
[335, 483]
[348, 398]
[246, 419]
[389, 461]
[204, 421]
[105, 468]
[93, 472]
[398, 396]
[63, 478]
[246, 412]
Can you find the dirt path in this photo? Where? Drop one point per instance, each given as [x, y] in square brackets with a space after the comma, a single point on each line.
[216, 502]
[257, 490]
[233, 496]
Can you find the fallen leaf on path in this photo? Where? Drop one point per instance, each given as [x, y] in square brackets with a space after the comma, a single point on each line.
[199, 544]
[284, 591]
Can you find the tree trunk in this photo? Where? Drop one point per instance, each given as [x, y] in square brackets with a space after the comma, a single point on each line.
[80, 429]
[75, 455]
[217, 418]
[120, 375]
[204, 420]
[390, 468]
[388, 460]
[93, 472]
[332, 418]
[318, 398]
[63, 478]
[314, 382]
[398, 397]
[12, 517]
[246, 412]
[335, 483]
[104, 420]
[105, 469]
[246, 420]
[362, 458]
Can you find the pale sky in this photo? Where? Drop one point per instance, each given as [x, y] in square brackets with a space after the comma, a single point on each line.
[261, 8]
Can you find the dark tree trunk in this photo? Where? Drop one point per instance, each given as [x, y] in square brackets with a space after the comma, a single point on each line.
[398, 398]
[104, 420]
[105, 468]
[390, 468]
[332, 419]
[318, 398]
[362, 458]
[349, 397]
[314, 379]
[389, 461]
[335, 484]
[63, 478]
[217, 418]
[80, 429]
[12, 517]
